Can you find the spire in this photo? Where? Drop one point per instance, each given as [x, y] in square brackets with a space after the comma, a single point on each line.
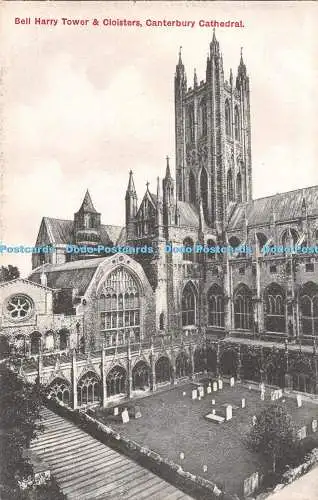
[131, 185]
[241, 72]
[180, 74]
[87, 205]
[180, 58]
[195, 78]
[231, 77]
[168, 173]
[214, 45]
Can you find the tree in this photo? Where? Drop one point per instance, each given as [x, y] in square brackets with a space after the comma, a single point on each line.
[20, 404]
[274, 436]
[8, 273]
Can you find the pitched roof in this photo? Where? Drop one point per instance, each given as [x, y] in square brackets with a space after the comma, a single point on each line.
[87, 205]
[189, 215]
[61, 232]
[285, 206]
[77, 274]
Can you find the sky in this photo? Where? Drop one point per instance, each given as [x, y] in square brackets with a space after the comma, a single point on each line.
[82, 105]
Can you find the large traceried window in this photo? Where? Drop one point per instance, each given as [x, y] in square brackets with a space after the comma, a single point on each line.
[216, 306]
[309, 308]
[119, 308]
[275, 308]
[243, 311]
[88, 389]
[188, 305]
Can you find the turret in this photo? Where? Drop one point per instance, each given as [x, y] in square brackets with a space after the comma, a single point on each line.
[131, 207]
[87, 223]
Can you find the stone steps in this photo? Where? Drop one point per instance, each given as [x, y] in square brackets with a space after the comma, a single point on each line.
[86, 469]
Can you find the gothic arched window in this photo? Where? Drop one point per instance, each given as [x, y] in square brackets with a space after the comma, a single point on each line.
[309, 308]
[275, 308]
[190, 124]
[211, 255]
[204, 191]
[119, 308]
[227, 118]
[88, 389]
[188, 305]
[59, 389]
[243, 311]
[237, 124]
[290, 237]
[239, 188]
[188, 253]
[216, 306]
[192, 189]
[229, 183]
[203, 118]
[116, 381]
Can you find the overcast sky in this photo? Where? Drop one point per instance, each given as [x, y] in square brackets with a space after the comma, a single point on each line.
[84, 105]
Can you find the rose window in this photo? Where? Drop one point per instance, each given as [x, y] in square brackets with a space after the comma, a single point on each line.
[19, 307]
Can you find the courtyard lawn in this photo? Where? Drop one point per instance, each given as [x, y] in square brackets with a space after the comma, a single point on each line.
[172, 423]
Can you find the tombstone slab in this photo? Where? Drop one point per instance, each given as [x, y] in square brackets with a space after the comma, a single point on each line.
[232, 382]
[314, 425]
[228, 412]
[125, 416]
[209, 389]
[116, 411]
[215, 386]
[243, 402]
[220, 384]
[194, 394]
[299, 401]
[137, 412]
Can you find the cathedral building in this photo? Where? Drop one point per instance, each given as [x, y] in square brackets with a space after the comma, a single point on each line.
[255, 313]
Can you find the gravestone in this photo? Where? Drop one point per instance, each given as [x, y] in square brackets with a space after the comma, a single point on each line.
[181, 456]
[213, 401]
[194, 394]
[232, 382]
[262, 386]
[213, 412]
[243, 403]
[137, 412]
[220, 383]
[272, 395]
[209, 389]
[125, 416]
[249, 387]
[302, 433]
[201, 391]
[314, 425]
[184, 394]
[228, 412]
[299, 401]
[254, 420]
[215, 386]
[116, 411]
[205, 468]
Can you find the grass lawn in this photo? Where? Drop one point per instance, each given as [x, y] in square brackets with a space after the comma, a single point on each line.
[172, 423]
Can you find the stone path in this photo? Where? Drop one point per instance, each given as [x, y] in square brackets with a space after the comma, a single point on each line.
[87, 469]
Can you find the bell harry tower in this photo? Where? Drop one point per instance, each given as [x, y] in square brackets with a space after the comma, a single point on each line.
[213, 139]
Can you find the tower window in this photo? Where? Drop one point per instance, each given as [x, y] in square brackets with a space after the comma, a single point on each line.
[227, 118]
[237, 124]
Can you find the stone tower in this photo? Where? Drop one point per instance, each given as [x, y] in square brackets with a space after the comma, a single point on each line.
[87, 223]
[213, 139]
